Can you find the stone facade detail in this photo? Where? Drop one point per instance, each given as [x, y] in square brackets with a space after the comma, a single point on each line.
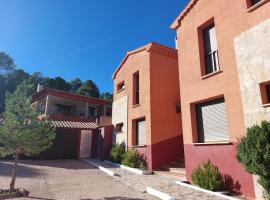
[119, 115]
[252, 49]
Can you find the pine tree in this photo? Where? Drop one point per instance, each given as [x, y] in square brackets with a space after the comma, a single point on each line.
[22, 132]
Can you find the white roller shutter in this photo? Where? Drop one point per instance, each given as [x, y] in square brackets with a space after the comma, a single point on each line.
[212, 121]
[141, 132]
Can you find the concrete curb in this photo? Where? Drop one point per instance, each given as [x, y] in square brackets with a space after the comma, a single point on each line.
[158, 194]
[204, 190]
[103, 169]
[133, 170]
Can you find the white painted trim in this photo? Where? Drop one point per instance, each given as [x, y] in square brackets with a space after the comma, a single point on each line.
[133, 170]
[158, 194]
[204, 190]
[103, 169]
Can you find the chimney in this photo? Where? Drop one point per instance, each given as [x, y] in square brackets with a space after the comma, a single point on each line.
[40, 87]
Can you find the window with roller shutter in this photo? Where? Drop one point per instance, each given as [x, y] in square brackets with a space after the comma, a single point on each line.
[212, 123]
[140, 132]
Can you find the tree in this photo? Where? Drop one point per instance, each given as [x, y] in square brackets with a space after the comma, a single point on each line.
[22, 132]
[9, 82]
[57, 83]
[107, 96]
[253, 152]
[75, 85]
[6, 63]
[89, 88]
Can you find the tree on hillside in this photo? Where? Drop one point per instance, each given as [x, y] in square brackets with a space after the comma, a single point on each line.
[89, 88]
[22, 132]
[9, 82]
[6, 63]
[75, 85]
[57, 83]
[107, 96]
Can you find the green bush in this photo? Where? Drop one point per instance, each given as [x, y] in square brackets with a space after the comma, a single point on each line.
[117, 152]
[208, 177]
[253, 152]
[134, 159]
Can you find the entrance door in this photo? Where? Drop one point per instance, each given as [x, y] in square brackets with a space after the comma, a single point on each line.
[85, 146]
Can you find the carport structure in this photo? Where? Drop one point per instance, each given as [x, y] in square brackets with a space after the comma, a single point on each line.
[79, 140]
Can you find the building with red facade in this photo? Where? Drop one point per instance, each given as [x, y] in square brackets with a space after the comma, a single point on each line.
[146, 113]
[224, 70]
[83, 124]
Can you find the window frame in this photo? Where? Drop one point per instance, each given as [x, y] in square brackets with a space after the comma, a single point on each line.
[136, 88]
[265, 93]
[120, 86]
[202, 50]
[135, 138]
[200, 137]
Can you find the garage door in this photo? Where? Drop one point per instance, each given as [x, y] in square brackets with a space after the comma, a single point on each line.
[64, 146]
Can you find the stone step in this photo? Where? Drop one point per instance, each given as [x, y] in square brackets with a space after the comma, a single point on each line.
[177, 170]
[177, 164]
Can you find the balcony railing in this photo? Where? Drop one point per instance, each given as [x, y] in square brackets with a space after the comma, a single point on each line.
[211, 62]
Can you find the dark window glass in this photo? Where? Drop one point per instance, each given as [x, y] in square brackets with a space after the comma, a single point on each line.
[268, 93]
[64, 110]
[253, 2]
[136, 88]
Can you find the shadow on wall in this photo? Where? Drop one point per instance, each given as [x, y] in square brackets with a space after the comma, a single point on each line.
[230, 185]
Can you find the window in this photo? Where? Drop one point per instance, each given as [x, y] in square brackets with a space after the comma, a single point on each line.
[268, 92]
[136, 88]
[121, 86]
[119, 127]
[140, 132]
[92, 111]
[64, 110]
[265, 92]
[211, 61]
[212, 124]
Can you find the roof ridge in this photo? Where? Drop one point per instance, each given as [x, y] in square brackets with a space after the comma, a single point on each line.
[177, 22]
[165, 50]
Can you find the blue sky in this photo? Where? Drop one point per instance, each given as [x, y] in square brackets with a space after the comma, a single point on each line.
[82, 38]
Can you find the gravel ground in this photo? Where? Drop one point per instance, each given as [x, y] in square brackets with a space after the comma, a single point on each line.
[66, 179]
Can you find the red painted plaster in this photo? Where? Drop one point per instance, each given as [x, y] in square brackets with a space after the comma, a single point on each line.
[224, 157]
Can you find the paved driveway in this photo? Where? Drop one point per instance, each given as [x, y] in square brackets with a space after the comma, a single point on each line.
[66, 179]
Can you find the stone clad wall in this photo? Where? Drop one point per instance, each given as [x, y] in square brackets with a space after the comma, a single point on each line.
[252, 49]
[119, 115]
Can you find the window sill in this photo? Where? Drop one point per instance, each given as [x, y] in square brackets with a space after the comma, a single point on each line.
[118, 132]
[136, 105]
[211, 74]
[266, 105]
[139, 146]
[254, 7]
[118, 91]
[212, 143]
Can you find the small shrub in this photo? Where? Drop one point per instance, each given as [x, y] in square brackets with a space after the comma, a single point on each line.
[208, 177]
[117, 152]
[134, 159]
[253, 152]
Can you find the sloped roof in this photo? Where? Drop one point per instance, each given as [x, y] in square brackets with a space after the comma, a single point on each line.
[153, 46]
[183, 14]
[76, 125]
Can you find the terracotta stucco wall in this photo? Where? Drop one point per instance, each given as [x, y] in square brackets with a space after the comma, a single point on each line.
[167, 138]
[231, 19]
[137, 62]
